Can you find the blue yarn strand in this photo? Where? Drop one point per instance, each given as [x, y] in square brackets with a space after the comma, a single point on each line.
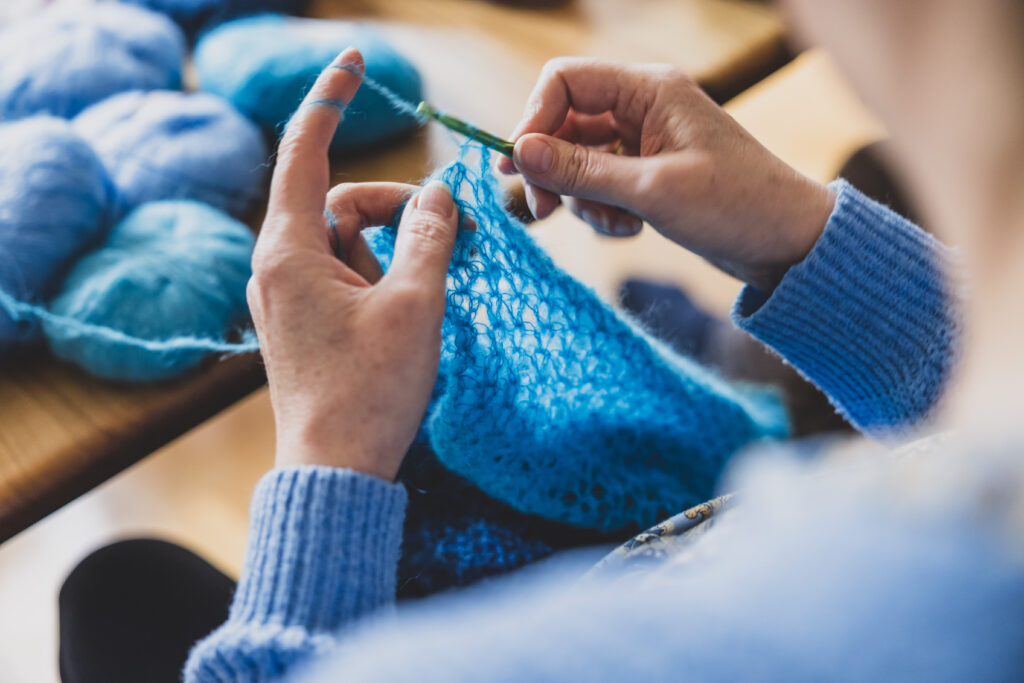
[19, 310]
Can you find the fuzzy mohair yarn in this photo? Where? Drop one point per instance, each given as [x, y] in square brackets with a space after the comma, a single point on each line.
[71, 56]
[168, 267]
[265, 64]
[194, 15]
[172, 145]
[55, 200]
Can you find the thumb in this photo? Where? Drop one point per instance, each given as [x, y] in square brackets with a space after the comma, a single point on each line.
[426, 238]
[577, 171]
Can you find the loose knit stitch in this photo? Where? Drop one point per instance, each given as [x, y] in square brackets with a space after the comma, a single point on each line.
[549, 401]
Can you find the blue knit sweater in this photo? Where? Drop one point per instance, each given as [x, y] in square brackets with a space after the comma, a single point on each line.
[807, 584]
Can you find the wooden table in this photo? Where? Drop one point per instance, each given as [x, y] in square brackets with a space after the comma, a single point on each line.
[63, 432]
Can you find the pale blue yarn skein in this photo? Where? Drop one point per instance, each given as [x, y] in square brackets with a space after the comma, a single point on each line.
[172, 145]
[265, 64]
[169, 267]
[69, 57]
[55, 200]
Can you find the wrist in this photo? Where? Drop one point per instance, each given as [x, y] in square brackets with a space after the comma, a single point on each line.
[801, 217]
[312, 446]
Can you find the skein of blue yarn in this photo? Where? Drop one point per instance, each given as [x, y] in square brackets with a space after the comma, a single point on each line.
[264, 65]
[169, 268]
[193, 15]
[55, 199]
[172, 145]
[69, 57]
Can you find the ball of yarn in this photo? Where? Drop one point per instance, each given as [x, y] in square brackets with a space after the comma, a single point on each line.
[172, 145]
[55, 198]
[192, 15]
[264, 65]
[71, 56]
[169, 270]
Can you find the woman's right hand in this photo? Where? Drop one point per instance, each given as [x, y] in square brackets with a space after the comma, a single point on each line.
[621, 143]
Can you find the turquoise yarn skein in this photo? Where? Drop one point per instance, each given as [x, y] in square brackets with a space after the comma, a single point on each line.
[265, 64]
[69, 57]
[172, 145]
[55, 200]
[168, 267]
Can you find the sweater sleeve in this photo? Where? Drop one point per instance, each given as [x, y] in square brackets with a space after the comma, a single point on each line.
[323, 551]
[870, 316]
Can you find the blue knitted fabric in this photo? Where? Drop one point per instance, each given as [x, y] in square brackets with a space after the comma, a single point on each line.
[794, 597]
[550, 402]
[455, 534]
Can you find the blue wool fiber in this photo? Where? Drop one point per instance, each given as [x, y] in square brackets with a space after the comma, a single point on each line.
[168, 267]
[172, 145]
[55, 198]
[549, 401]
[194, 15]
[546, 399]
[264, 65]
[456, 535]
[71, 56]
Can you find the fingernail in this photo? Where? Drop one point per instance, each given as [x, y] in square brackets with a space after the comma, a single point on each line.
[595, 219]
[534, 155]
[350, 60]
[435, 198]
[626, 226]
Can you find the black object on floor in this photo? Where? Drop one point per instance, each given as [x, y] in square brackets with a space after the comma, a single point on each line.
[131, 612]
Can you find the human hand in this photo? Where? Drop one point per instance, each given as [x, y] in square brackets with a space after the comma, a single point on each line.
[623, 143]
[351, 355]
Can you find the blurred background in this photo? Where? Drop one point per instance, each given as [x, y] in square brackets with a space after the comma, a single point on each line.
[478, 59]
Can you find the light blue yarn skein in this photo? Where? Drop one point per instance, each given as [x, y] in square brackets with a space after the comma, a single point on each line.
[55, 199]
[265, 64]
[168, 267]
[193, 15]
[69, 57]
[172, 145]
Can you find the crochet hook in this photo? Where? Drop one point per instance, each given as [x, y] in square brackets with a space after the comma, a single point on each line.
[469, 130]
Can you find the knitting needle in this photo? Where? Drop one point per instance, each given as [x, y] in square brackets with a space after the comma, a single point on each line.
[469, 130]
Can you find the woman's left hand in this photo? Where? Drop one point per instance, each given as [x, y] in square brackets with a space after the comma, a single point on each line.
[351, 355]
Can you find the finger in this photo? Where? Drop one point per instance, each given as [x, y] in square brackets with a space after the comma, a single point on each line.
[563, 168]
[362, 260]
[588, 86]
[592, 130]
[539, 201]
[353, 207]
[605, 219]
[426, 238]
[302, 175]
[357, 206]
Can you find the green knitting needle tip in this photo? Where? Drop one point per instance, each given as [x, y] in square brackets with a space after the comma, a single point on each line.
[469, 130]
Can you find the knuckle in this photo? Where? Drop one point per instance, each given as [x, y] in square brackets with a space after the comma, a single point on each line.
[340, 193]
[429, 232]
[579, 165]
[269, 269]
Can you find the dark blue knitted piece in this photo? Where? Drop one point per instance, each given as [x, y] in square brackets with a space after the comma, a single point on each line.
[550, 402]
[455, 534]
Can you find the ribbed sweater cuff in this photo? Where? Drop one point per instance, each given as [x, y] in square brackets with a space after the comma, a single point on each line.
[323, 548]
[867, 315]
